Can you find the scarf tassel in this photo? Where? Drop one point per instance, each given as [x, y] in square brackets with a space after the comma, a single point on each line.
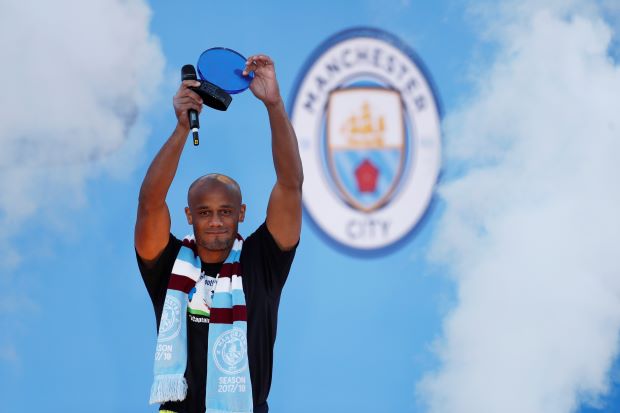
[168, 387]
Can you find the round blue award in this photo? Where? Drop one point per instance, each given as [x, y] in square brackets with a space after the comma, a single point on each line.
[224, 68]
[221, 74]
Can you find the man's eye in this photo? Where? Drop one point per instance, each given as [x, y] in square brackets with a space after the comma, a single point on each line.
[226, 212]
[204, 213]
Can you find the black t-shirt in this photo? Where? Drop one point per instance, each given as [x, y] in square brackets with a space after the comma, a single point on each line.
[264, 269]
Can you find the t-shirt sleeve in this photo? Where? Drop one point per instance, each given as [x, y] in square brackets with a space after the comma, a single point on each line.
[156, 277]
[275, 263]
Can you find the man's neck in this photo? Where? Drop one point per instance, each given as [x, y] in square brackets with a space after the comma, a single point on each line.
[212, 257]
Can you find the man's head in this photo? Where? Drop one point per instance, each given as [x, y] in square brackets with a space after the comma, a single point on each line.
[215, 210]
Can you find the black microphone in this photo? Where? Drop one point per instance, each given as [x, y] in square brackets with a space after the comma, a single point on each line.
[189, 73]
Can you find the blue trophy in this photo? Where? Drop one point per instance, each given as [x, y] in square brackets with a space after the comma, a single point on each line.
[221, 75]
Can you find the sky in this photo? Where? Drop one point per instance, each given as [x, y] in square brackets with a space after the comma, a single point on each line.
[506, 298]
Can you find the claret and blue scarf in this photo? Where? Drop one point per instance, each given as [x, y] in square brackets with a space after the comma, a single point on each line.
[228, 380]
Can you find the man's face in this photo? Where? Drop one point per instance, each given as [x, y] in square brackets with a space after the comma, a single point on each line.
[215, 211]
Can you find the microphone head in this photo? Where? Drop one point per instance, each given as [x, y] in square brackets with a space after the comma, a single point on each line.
[188, 73]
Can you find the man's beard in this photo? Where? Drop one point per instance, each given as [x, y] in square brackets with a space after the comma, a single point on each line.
[217, 243]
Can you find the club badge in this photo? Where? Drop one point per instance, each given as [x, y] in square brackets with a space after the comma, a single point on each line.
[368, 123]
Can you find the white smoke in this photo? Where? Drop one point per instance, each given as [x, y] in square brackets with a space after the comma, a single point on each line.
[75, 77]
[531, 231]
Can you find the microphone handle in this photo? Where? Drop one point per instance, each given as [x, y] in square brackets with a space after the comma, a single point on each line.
[194, 125]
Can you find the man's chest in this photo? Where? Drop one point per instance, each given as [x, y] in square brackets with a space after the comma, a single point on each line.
[200, 298]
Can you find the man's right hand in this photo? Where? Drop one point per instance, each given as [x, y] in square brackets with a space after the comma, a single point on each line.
[153, 220]
[186, 99]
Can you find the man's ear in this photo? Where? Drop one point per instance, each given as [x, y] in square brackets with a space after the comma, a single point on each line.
[188, 214]
[242, 213]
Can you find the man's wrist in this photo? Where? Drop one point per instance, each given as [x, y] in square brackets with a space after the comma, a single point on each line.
[277, 105]
[181, 129]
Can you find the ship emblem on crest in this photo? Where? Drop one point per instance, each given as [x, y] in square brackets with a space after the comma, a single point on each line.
[365, 141]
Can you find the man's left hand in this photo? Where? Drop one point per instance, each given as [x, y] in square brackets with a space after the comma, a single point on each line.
[264, 85]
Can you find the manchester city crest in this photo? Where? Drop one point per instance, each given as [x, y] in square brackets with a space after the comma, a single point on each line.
[229, 351]
[170, 324]
[368, 123]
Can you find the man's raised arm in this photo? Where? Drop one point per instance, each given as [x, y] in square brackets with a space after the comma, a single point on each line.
[284, 209]
[153, 221]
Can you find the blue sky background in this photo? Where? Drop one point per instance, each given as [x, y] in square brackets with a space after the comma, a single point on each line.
[355, 334]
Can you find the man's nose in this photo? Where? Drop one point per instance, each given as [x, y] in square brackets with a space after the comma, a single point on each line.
[215, 221]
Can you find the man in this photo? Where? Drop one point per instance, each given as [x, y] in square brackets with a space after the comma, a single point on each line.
[214, 210]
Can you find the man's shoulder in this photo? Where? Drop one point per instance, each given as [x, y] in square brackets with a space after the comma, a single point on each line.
[262, 238]
[261, 244]
[174, 245]
[258, 234]
[156, 275]
[167, 256]
[264, 259]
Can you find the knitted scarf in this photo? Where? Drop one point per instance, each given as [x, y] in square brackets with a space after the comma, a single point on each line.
[228, 380]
